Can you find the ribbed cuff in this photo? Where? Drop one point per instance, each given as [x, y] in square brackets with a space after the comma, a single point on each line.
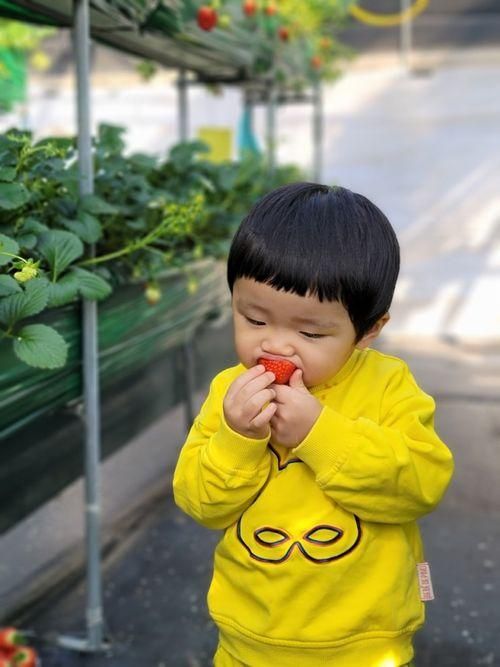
[233, 451]
[326, 447]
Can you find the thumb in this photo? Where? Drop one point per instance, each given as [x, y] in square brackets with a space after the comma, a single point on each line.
[296, 381]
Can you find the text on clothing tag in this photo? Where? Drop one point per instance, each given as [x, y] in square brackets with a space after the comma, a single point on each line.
[425, 582]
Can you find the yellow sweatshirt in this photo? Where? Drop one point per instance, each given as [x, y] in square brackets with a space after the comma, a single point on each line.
[317, 564]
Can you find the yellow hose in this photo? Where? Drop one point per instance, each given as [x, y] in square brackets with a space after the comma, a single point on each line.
[388, 20]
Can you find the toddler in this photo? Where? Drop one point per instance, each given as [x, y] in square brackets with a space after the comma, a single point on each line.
[316, 454]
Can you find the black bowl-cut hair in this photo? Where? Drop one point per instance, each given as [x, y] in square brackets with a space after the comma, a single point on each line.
[328, 242]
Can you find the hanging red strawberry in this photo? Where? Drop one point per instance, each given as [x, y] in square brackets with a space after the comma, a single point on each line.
[249, 7]
[24, 657]
[284, 33]
[316, 62]
[207, 17]
[271, 9]
[10, 638]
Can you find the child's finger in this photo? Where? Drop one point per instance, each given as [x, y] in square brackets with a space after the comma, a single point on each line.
[254, 387]
[243, 379]
[255, 403]
[264, 416]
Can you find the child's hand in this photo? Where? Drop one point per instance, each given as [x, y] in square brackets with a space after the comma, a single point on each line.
[245, 400]
[296, 414]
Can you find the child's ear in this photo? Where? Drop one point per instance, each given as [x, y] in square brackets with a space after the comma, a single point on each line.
[373, 332]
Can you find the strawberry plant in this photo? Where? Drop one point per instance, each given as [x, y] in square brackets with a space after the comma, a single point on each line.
[146, 215]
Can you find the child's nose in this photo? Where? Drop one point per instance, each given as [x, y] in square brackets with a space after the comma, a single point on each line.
[277, 342]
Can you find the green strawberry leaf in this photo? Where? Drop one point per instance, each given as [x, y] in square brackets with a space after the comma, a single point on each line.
[30, 301]
[9, 286]
[7, 245]
[60, 249]
[13, 195]
[96, 206]
[7, 174]
[41, 346]
[87, 227]
[27, 241]
[90, 285]
[32, 225]
[63, 291]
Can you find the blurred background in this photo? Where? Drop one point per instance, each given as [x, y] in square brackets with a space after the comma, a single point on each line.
[196, 110]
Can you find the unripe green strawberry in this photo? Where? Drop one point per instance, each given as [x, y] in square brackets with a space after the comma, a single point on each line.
[281, 368]
[152, 294]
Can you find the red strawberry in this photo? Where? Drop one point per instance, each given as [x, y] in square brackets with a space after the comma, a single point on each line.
[283, 33]
[281, 368]
[5, 661]
[271, 9]
[207, 17]
[24, 657]
[316, 62]
[10, 638]
[249, 7]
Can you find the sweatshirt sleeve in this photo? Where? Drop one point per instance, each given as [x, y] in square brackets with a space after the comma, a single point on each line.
[389, 472]
[219, 472]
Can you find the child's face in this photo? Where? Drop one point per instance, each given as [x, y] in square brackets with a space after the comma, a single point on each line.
[318, 337]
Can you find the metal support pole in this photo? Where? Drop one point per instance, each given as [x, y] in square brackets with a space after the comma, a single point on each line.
[189, 370]
[94, 641]
[318, 133]
[271, 127]
[406, 35]
[182, 86]
[249, 109]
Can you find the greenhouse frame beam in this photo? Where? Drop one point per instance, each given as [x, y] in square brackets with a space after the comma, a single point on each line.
[183, 105]
[271, 127]
[406, 36]
[91, 398]
[317, 131]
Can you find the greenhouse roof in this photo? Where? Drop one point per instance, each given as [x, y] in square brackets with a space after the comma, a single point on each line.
[146, 28]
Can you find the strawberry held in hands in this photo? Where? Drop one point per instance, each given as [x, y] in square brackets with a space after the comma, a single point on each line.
[281, 368]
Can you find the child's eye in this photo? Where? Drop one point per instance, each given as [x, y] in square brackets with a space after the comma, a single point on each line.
[312, 335]
[256, 322]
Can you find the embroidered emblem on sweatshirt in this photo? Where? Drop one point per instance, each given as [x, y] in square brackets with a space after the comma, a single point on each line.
[293, 517]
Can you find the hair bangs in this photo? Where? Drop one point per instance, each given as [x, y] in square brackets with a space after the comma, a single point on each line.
[284, 261]
[322, 241]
